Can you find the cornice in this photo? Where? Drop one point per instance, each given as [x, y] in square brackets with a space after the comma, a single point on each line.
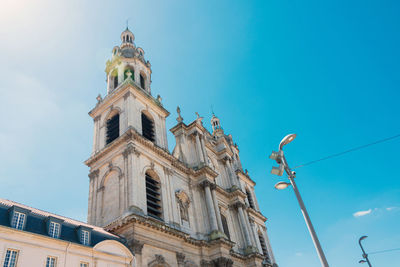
[132, 135]
[245, 177]
[128, 83]
[157, 226]
[257, 214]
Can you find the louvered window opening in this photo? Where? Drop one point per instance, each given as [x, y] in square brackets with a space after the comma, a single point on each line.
[263, 245]
[112, 129]
[142, 81]
[153, 197]
[147, 128]
[250, 199]
[115, 82]
[225, 226]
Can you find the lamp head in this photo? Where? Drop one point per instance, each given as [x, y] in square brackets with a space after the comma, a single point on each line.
[362, 261]
[286, 140]
[363, 237]
[282, 185]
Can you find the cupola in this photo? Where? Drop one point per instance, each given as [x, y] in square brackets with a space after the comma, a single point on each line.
[216, 126]
[127, 39]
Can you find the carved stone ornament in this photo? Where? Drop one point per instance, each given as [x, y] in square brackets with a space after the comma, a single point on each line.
[128, 150]
[204, 263]
[159, 261]
[152, 166]
[180, 257]
[136, 246]
[179, 119]
[99, 98]
[184, 202]
[223, 262]
[94, 174]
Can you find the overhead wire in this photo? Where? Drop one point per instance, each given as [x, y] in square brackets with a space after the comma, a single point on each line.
[383, 251]
[348, 151]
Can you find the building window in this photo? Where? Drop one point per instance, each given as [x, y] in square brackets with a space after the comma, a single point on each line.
[51, 262]
[147, 128]
[11, 258]
[115, 81]
[263, 245]
[85, 237]
[153, 197]
[225, 226]
[84, 264]
[112, 129]
[54, 229]
[250, 199]
[142, 81]
[18, 220]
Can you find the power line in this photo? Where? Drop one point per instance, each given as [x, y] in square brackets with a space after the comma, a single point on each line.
[348, 151]
[383, 251]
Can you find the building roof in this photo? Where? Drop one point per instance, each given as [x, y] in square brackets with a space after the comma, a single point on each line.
[36, 222]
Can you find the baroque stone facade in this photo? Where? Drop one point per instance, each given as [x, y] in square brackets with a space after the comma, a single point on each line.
[193, 207]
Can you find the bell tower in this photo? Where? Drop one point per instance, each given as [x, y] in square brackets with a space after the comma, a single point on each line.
[194, 206]
[125, 120]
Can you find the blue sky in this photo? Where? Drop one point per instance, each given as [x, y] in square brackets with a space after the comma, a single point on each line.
[328, 71]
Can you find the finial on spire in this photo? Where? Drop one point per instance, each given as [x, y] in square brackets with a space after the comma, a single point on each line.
[178, 110]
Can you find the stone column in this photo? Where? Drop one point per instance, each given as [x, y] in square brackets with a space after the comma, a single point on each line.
[255, 235]
[180, 258]
[233, 174]
[217, 211]
[210, 207]
[136, 247]
[253, 240]
[242, 221]
[92, 196]
[200, 151]
[227, 169]
[269, 249]
[203, 149]
[96, 134]
[133, 181]
[127, 112]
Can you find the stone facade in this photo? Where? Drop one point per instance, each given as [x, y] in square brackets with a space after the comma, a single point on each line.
[207, 211]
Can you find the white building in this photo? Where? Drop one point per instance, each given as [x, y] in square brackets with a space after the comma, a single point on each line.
[30, 238]
[192, 207]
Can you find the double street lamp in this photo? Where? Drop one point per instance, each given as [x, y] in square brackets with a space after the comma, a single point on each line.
[279, 157]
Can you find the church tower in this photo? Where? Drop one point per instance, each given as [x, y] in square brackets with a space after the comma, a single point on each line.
[192, 207]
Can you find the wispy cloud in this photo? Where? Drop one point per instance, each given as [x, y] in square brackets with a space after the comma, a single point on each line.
[362, 213]
[392, 208]
[299, 254]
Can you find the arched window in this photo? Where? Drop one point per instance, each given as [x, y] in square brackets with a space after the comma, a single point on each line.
[147, 128]
[225, 226]
[153, 197]
[250, 199]
[114, 77]
[263, 245]
[112, 129]
[132, 71]
[124, 39]
[142, 81]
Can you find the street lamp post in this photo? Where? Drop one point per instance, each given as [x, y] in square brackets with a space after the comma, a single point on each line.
[283, 165]
[365, 255]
